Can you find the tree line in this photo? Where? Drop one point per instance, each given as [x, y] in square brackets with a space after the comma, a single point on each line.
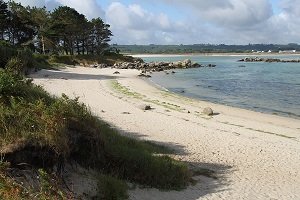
[204, 48]
[61, 31]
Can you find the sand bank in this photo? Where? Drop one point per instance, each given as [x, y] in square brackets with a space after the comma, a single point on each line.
[254, 155]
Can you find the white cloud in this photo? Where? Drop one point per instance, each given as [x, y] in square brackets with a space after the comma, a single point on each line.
[226, 12]
[37, 3]
[135, 25]
[90, 8]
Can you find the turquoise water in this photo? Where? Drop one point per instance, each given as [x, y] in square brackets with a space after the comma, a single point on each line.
[265, 87]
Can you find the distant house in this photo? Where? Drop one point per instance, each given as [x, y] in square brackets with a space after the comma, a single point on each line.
[287, 51]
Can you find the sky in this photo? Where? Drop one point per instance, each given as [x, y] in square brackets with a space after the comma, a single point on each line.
[192, 21]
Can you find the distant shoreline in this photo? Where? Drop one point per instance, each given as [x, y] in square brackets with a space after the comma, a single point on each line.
[212, 54]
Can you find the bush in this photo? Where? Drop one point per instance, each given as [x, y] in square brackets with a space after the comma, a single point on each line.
[49, 131]
[15, 86]
[110, 188]
[67, 60]
[6, 53]
[15, 65]
[26, 56]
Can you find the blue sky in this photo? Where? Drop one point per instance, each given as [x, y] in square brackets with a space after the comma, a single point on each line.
[192, 21]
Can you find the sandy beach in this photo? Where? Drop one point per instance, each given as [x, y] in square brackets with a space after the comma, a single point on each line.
[254, 155]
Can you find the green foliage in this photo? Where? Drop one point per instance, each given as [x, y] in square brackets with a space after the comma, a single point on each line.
[109, 59]
[26, 57]
[8, 189]
[63, 31]
[48, 187]
[20, 30]
[67, 60]
[15, 65]
[110, 188]
[65, 129]
[6, 53]
[21, 63]
[132, 161]
[20, 60]
[15, 86]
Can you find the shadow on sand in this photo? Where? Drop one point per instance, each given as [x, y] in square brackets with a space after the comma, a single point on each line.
[55, 74]
[205, 185]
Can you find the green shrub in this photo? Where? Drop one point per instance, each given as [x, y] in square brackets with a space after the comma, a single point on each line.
[65, 129]
[6, 53]
[26, 56]
[15, 65]
[110, 188]
[67, 60]
[15, 86]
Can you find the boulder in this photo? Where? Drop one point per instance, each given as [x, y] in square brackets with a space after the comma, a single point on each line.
[208, 111]
[196, 65]
[102, 65]
[186, 63]
[145, 107]
[144, 75]
[116, 72]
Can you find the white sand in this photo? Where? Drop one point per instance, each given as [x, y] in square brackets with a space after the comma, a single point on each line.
[251, 152]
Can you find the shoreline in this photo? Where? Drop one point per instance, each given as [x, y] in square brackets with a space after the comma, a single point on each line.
[271, 112]
[254, 155]
[212, 54]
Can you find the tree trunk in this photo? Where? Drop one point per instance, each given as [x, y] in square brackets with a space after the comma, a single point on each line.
[77, 46]
[83, 46]
[43, 45]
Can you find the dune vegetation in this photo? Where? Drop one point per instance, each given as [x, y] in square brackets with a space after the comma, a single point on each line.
[40, 135]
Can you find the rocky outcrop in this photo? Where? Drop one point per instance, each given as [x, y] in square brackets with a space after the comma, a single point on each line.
[269, 60]
[159, 66]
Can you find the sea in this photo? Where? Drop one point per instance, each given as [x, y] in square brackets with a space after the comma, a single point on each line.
[272, 88]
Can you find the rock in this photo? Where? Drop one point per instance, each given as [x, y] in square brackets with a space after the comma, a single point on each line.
[102, 66]
[144, 75]
[116, 72]
[126, 113]
[145, 107]
[196, 65]
[208, 111]
[186, 63]
[177, 64]
[173, 72]
[242, 66]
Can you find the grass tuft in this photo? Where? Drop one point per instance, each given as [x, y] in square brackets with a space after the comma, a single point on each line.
[110, 188]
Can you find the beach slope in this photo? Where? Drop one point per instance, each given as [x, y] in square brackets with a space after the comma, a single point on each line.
[254, 155]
